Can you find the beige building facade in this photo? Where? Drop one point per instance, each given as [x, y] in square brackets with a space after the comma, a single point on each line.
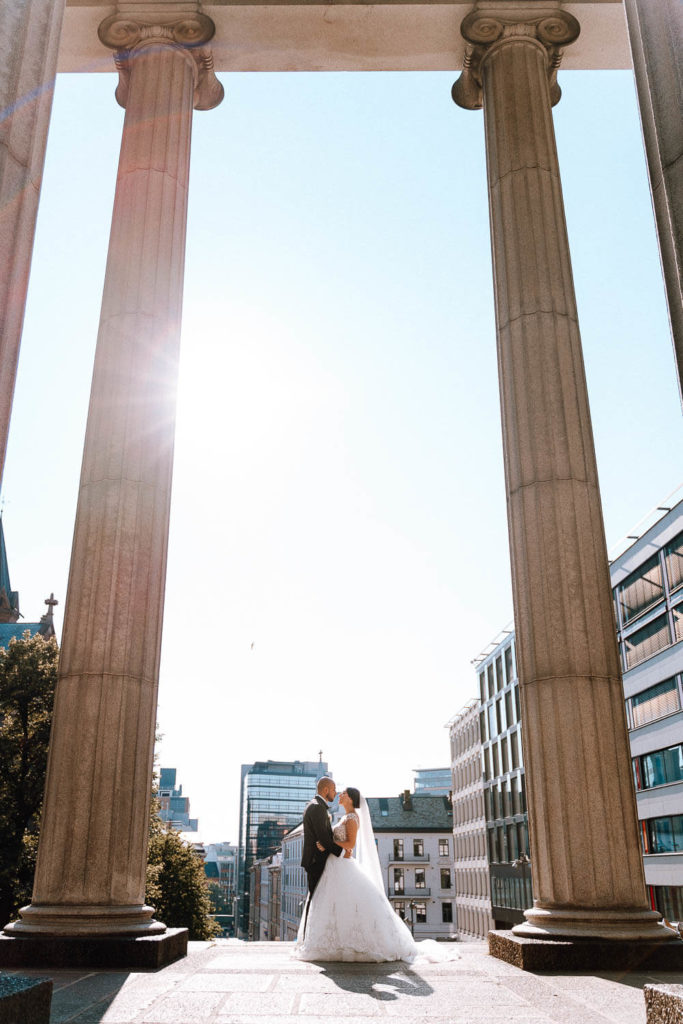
[91, 867]
[472, 883]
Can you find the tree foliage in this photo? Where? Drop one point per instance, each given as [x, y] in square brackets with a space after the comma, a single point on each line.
[176, 883]
[28, 674]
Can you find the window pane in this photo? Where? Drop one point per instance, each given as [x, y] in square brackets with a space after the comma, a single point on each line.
[654, 773]
[508, 664]
[491, 681]
[482, 687]
[647, 641]
[508, 708]
[500, 678]
[655, 702]
[445, 878]
[641, 590]
[661, 835]
[447, 913]
[674, 562]
[677, 831]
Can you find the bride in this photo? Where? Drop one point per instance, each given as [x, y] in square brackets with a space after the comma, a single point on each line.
[350, 917]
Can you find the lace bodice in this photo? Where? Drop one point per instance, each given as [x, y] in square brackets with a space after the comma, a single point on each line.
[339, 830]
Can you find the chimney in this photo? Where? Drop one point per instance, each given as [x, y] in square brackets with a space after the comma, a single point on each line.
[407, 800]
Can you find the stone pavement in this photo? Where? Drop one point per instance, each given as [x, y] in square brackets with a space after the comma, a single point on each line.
[231, 982]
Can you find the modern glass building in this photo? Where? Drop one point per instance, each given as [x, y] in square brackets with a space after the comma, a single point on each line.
[273, 797]
[647, 582]
[433, 781]
[505, 807]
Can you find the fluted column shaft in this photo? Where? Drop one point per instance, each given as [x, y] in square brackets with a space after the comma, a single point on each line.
[29, 41]
[585, 852]
[90, 876]
[656, 36]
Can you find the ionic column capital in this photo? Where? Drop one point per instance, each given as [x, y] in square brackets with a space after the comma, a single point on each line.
[492, 25]
[181, 25]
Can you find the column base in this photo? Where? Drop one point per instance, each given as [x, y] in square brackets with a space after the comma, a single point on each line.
[557, 955]
[91, 921]
[115, 951]
[635, 924]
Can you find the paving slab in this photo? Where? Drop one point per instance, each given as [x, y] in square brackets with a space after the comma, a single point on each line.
[231, 982]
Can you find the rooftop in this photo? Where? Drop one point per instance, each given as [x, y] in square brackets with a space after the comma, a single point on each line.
[424, 813]
[233, 982]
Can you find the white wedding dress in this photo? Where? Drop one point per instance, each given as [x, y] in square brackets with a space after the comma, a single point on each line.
[349, 917]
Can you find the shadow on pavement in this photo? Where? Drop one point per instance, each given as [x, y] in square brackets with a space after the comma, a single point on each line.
[381, 985]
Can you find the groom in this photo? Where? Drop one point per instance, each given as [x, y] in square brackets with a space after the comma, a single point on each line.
[318, 830]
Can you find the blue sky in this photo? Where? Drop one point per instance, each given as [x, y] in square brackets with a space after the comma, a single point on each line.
[338, 492]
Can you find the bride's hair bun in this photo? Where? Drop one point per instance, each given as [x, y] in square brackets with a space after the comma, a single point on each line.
[354, 794]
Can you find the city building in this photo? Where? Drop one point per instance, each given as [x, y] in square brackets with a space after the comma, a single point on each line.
[647, 585]
[433, 781]
[174, 808]
[273, 797]
[507, 831]
[294, 883]
[472, 889]
[220, 867]
[647, 581]
[10, 626]
[414, 835]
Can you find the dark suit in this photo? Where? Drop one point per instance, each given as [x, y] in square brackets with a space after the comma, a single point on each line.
[317, 829]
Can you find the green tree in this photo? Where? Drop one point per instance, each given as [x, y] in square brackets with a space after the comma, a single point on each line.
[28, 675]
[176, 883]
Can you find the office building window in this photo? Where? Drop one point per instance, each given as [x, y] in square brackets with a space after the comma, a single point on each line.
[398, 849]
[677, 613]
[420, 881]
[493, 848]
[668, 900]
[504, 763]
[400, 909]
[647, 641]
[398, 880]
[444, 849]
[518, 713]
[659, 767]
[655, 702]
[491, 680]
[663, 835]
[492, 720]
[445, 878]
[482, 686]
[641, 590]
[420, 913]
[494, 760]
[482, 726]
[514, 745]
[447, 913]
[500, 678]
[509, 713]
[673, 556]
[509, 668]
[418, 848]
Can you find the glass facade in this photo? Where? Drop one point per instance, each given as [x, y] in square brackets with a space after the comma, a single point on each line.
[659, 767]
[655, 702]
[273, 799]
[649, 605]
[662, 835]
[504, 791]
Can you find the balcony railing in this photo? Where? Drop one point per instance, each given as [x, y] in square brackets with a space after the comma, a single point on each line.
[410, 859]
[410, 894]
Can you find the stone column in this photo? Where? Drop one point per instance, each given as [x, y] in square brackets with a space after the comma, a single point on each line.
[90, 876]
[656, 35]
[585, 850]
[29, 40]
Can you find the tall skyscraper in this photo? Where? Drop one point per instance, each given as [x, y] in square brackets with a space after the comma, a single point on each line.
[273, 797]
